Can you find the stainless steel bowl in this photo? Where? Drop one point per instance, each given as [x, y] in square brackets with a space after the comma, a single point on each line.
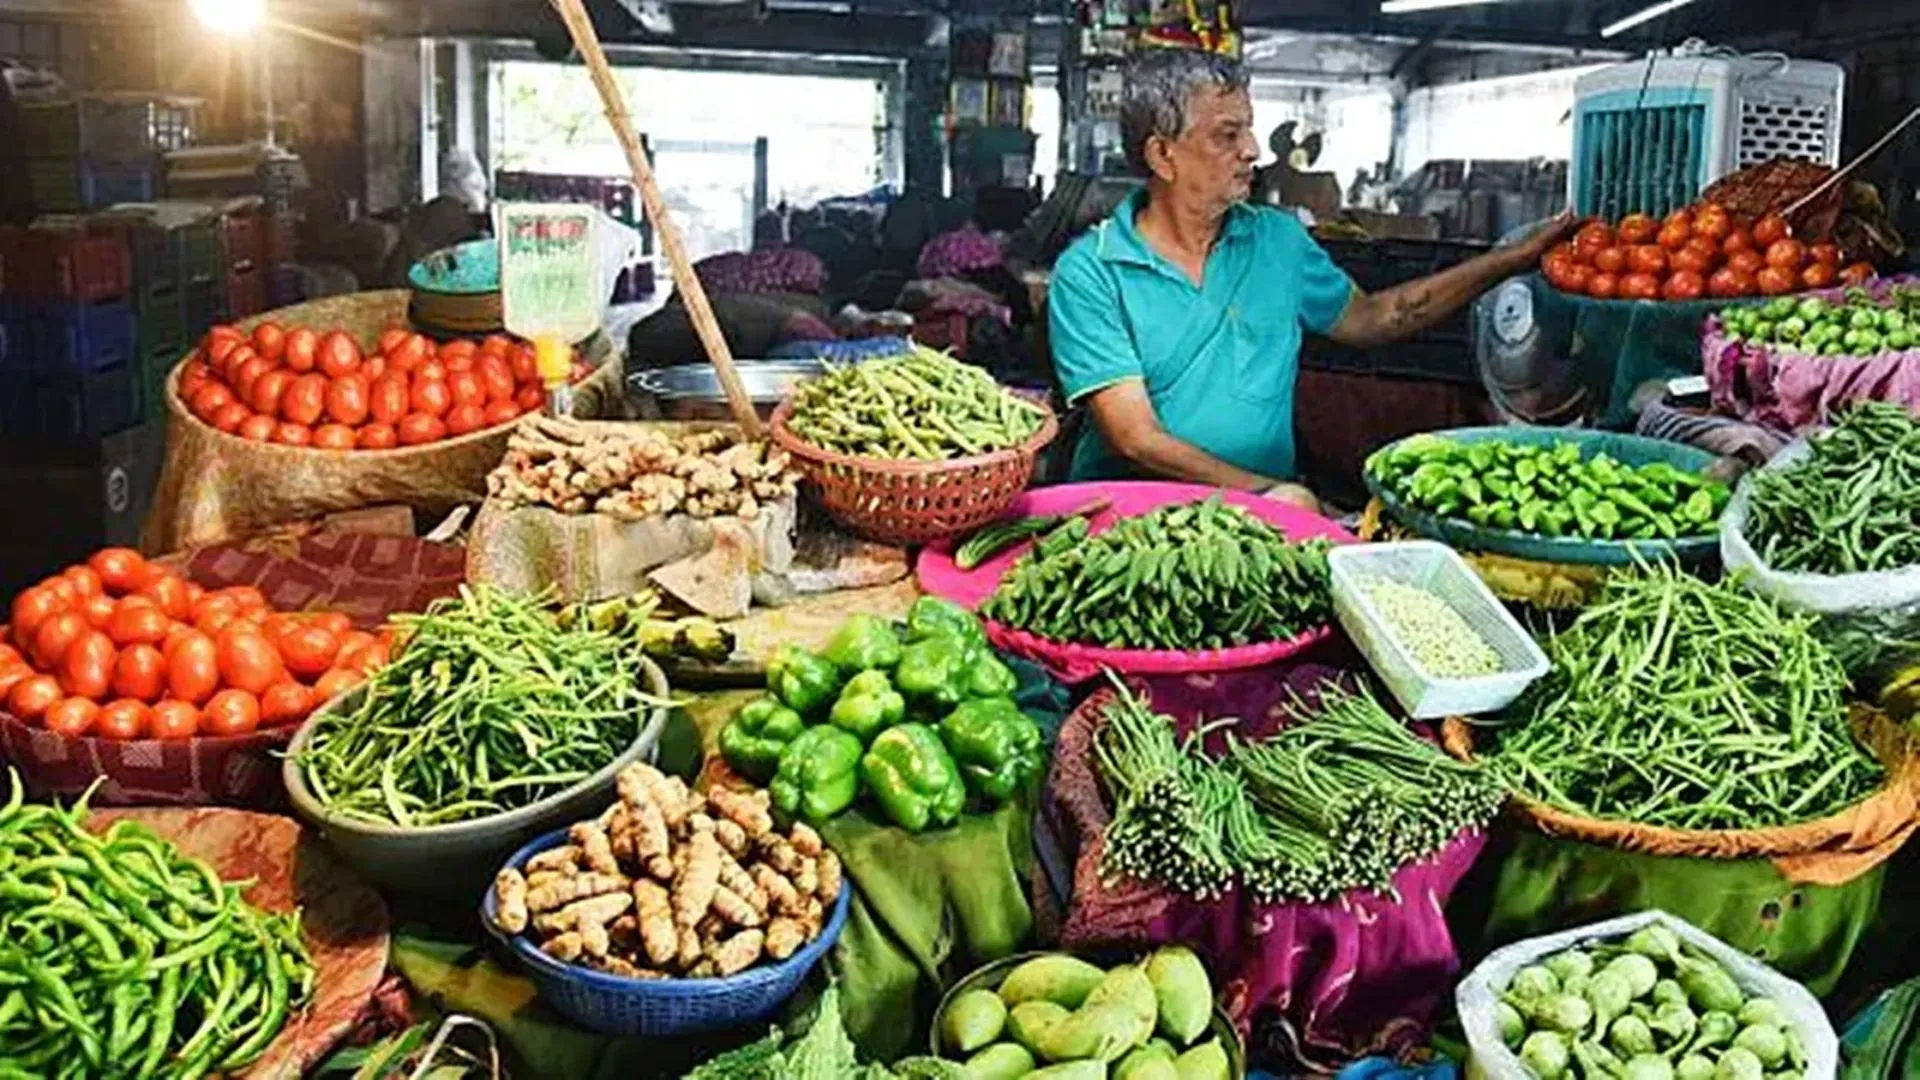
[692, 391]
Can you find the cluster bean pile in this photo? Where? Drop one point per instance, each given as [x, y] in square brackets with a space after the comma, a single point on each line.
[1677, 703]
[1202, 575]
[1439, 639]
[924, 406]
[1338, 801]
[492, 702]
[1851, 505]
[120, 957]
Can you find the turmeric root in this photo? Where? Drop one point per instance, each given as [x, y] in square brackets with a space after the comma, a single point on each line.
[735, 877]
[594, 911]
[733, 838]
[559, 894]
[780, 855]
[734, 908]
[596, 851]
[694, 888]
[689, 951]
[785, 935]
[564, 859]
[806, 880]
[738, 952]
[565, 948]
[805, 840]
[831, 875]
[780, 892]
[510, 901]
[750, 814]
[654, 911]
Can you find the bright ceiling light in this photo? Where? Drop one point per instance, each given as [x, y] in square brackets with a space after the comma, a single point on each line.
[1645, 14]
[1401, 7]
[229, 16]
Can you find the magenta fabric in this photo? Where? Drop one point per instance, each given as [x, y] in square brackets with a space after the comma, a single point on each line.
[1779, 387]
[1075, 663]
[1310, 986]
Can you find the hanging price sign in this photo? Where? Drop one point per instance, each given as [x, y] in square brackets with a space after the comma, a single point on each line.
[548, 277]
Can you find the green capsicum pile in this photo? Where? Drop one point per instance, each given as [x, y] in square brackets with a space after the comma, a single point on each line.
[924, 721]
[1548, 490]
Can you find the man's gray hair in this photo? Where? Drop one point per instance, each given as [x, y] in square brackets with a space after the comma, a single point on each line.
[1160, 83]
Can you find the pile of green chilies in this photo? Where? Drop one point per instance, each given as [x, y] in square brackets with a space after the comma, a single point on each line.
[490, 704]
[119, 957]
[923, 406]
[1677, 703]
[1851, 505]
[1337, 802]
[1201, 575]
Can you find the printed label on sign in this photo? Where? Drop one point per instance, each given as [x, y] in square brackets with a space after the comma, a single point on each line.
[119, 491]
[1513, 312]
[547, 270]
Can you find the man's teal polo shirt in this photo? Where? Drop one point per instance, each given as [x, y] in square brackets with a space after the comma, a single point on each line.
[1218, 359]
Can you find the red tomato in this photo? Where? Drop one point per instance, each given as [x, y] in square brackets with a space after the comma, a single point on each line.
[466, 389]
[1603, 286]
[1714, 223]
[1610, 260]
[1639, 286]
[285, 703]
[98, 610]
[220, 346]
[249, 661]
[193, 376]
[377, 436]
[212, 603]
[138, 623]
[248, 597]
[1819, 275]
[387, 398]
[1682, 217]
[31, 696]
[231, 712]
[418, 428]
[140, 672]
[258, 428]
[497, 380]
[334, 622]
[430, 396]
[462, 419]
[430, 369]
[1828, 254]
[61, 589]
[85, 580]
[309, 650]
[497, 344]
[121, 569]
[1688, 260]
[209, 400]
[123, 719]
[289, 433]
[339, 355]
[1590, 241]
[531, 398]
[1638, 229]
[55, 636]
[1555, 267]
[175, 634]
[1748, 262]
[1737, 240]
[506, 412]
[305, 399]
[1673, 236]
[170, 593]
[243, 377]
[72, 717]
[373, 368]
[1770, 229]
[9, 656]
[1684, 285]
[347, 400]
[1857, 274]
[12, 675]
[31, 608]
[334, 437]
[1788, 254]
[267, 390]
[174, 719]
[270, 341]
[526, 370]
[331, 685]
[230, 417]
[87, 669]
[407, 355]
[392, 338]
[193, 668]
[1777, 281]
[456, 349]
[1648, 259]
[302, 349]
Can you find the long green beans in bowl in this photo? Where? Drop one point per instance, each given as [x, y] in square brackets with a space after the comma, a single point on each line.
[496, 721]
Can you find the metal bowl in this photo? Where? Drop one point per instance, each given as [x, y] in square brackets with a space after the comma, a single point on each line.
[692, 391]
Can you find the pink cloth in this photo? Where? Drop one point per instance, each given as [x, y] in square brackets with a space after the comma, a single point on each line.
[1311, 986]
[1779, 387]
[1128, 498]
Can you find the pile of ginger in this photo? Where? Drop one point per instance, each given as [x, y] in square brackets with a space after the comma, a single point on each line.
[632, 472]
[672, 884]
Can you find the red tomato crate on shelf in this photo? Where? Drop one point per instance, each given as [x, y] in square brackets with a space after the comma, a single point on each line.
[64, 266]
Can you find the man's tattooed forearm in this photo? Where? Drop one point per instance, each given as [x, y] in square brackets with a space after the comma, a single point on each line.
[1409, 311]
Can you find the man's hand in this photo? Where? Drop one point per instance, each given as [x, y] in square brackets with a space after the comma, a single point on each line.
[1293, 493]
[1560, 227]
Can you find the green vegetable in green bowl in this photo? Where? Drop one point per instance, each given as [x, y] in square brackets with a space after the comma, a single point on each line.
[1547, 1054]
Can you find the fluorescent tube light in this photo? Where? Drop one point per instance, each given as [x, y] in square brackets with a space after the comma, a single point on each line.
[1401, 7]
[1643, 15]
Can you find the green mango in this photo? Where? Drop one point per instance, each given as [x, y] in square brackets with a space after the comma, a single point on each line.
[1059, 978]
[1148, 1062]
[1127, 986]
[1102, 1032]
[1183, 993]
[972, 1020]
[1001, 1061]
[1072, 1070]
[1028, 1021]
[1208, 1061]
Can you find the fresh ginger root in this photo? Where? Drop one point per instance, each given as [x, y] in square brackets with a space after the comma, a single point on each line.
[510, 901]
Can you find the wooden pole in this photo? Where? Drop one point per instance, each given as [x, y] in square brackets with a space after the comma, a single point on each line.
[574, 14]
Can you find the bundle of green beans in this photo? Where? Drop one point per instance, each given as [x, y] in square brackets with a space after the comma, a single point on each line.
[1199, 575]
[1677, 703]
[492, 703]
[119, 957]
[1337, 802]
[923, 406]
[1851, 505]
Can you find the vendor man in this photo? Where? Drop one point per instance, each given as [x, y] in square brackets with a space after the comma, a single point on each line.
[1177, 321]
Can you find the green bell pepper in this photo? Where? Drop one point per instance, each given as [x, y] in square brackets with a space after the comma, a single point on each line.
[915, 780]
[931, 616]
[933, 671]
[802, 681]
[863, 643]
[996, 746]
[987, 677]
[819, 775]
[868, 706]
[753, 740]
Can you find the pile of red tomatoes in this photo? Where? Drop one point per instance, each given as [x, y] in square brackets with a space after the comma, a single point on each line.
[118, 647]
[302, 387]
[1696, 252]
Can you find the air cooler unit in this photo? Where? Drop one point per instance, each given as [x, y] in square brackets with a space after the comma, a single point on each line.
[1650, 135]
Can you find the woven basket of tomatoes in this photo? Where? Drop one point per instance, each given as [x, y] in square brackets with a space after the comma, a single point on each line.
[122, 672]
[1701, 251]
[329, 406]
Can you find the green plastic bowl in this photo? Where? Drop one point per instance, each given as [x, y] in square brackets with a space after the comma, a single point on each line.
[1632, 450]
[990, 976]
[458, 859]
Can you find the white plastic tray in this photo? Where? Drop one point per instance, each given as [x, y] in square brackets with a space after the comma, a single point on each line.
[1436, 568]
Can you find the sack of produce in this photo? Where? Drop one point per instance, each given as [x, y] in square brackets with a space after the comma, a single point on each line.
[1315, 901]
[599, 509]
[1644, 997]
[1795, 361]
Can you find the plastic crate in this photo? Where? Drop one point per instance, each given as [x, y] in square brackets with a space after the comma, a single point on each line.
[203, 302]
[1438, 569]
[203, 252]
[75, 339]
[88, 405]
[160, 319]
[246, 240]
[104, 129]
[64, 266]
[246, 291]
[73, 185]
[158, 257]
[152, 365]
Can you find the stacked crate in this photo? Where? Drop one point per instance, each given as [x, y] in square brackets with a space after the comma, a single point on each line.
[69, 368]
[246, 239]
[178, 269]
[89, 153]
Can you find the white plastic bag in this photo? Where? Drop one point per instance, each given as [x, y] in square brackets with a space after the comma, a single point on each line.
[1481, 989]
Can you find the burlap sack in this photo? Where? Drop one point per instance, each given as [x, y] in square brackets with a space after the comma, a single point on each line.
[1829, 851]
[214, 486]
